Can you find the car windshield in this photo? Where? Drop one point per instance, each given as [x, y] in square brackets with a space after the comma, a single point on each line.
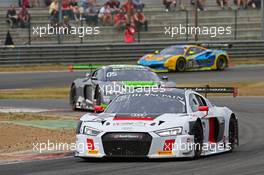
[149, 103]
[131, 75]
[173, 51]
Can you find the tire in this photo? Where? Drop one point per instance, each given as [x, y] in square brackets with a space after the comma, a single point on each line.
[221, 63]
[180, 65]
[73, 98]
[90, 159]
[85, 159]
[233, 133]
[98, 96]
[198, 140]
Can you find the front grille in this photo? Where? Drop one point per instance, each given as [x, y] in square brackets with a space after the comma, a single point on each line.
[126, 144]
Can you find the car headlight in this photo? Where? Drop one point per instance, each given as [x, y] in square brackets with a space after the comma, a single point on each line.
[169, 132]
[91, 131]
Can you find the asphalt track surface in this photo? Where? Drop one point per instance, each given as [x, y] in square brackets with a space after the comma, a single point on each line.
[247, 159]
[64, 79]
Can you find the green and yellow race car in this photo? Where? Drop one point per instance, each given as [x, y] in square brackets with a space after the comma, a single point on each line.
[182, 58]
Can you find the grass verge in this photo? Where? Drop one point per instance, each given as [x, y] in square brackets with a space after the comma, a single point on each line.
[245, 89]
[18, 131]
[26, 116]
[34, 68]
[36, 93]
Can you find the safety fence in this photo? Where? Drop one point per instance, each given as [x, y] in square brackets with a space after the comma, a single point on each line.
[114, 53]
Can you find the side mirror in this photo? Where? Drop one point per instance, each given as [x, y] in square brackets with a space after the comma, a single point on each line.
[165, 78]
[157, 51]
[99, 109]
[191, 53]
[87, 75]
[94, 78]
[203, 108]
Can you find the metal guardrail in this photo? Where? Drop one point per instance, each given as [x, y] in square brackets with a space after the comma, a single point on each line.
[112, 53]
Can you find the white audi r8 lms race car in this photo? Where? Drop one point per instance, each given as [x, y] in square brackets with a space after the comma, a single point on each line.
[167, 123]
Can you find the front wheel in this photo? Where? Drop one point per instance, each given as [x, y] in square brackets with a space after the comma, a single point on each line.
[233, 133]
[221, 63]
[198, 140]
[98, 96]
[180, 65]
[73, 98]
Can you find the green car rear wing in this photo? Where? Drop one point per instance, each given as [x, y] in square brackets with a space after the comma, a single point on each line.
[91, 67]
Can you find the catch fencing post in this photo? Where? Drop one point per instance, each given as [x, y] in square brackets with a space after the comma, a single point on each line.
[60, 20]
[81, 26]
[29, 31]
[196, 19]
[235, 33]
[187, 25]
[262, 19]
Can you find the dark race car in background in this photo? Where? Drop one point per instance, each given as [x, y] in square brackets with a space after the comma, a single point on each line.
[182, 58]
[103, 84]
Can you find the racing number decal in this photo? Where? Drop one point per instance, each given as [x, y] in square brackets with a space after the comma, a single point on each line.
[111, 74]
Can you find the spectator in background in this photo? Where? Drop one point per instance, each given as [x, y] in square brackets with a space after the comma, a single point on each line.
[105, 14]
[114, 5]
[170, 5]
[181, 4]
[20, 3]
[253, 3]
[35, 3]
[120, 19]
[53, 11]
[129, 35]
[140, 20]
[223, 3]
[129, 7]
[200, 4]
[84, 5]
[92, 4]
[241, 3]
[24, 18]
[12, 17]
[138, 4]
[258, 3]
[47, 2]
[92, 17]
[66, 9]
[75, 9]
[26, 3]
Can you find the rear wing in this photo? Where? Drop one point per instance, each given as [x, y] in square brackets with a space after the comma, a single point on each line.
[90, 67]
[216, 45]
[213, 90]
